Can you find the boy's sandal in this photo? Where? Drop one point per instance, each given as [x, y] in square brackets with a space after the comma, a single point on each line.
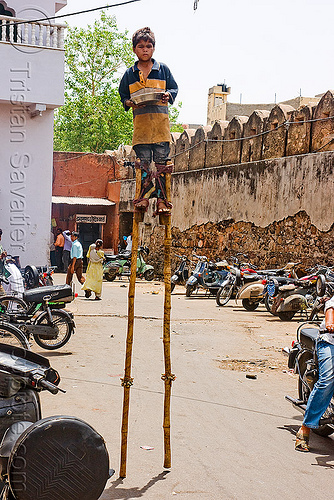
[163, 206]
[141, 205]
[302, 442]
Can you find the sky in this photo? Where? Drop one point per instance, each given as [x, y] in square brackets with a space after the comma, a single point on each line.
[259, 48]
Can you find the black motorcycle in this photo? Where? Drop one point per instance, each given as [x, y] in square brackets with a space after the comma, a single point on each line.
[303, 360]
[49, 458]
[181, 274]
[39, 313]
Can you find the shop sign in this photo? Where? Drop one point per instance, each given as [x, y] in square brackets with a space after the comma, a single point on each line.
[91, 219]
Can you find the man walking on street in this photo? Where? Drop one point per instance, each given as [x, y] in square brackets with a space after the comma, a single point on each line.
[67, 248]
[76, 264]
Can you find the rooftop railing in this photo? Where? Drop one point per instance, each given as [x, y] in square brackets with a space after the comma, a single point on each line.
[37, 34]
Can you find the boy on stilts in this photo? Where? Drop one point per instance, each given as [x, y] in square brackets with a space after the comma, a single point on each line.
[151, 136]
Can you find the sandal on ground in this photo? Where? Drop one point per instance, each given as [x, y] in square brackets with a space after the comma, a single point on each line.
[302, 442]
[97, 298]
[163, 206]
[141, 205]
[88, 293]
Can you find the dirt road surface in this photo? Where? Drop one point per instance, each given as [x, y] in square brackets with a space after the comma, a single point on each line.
[232, 437]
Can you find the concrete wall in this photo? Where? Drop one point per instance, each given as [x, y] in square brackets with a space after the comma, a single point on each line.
[275, 210]
[31, 86]
[26, 176]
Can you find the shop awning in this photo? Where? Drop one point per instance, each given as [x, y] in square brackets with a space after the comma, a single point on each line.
[76, 200]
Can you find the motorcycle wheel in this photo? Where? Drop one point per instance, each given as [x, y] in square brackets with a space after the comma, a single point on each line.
[11, 305]
[250, 305]
[224, 294]
[149, 274]
[64, 327]
[31, 277]
[110, 274]
[268, 302]
[189, 290]
[286, 315]
[172, 286]
[11, 335]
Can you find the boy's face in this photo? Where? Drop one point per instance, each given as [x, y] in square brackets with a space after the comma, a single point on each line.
[144, 50]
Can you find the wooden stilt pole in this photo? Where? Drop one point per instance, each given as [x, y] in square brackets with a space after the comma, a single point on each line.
[167, 377]
[127, 380]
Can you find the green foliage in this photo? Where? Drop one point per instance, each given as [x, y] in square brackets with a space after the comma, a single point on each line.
[93, 118]
[174, 112]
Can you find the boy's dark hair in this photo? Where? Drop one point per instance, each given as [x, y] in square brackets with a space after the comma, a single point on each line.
[75, 233]
[0, 232]
[143, 34]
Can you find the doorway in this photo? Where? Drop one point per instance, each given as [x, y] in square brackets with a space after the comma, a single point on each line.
[88, 234]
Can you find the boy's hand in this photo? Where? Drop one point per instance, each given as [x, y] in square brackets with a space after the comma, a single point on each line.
[165, 97]
[131, 104]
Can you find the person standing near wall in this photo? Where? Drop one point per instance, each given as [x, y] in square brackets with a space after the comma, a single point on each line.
[76, 264]
[59, 244]
[67, 248]
[52, 249]
[94, 274]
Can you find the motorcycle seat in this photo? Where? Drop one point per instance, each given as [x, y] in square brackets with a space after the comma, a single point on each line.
[56, 292]
[308, 336]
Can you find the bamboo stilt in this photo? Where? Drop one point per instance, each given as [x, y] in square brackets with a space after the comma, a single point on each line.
[127, 380]
[167, 377]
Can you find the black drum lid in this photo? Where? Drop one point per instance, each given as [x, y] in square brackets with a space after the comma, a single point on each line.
[59, 458]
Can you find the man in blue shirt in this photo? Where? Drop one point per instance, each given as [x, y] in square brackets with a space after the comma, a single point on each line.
[76, 264]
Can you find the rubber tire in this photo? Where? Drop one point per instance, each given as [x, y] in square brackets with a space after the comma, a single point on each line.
[12, 331]
[268, 302]
[324, 431]
[250, 305]
[172, 287]
[110, 275]
[43, 319]
[228, 289]
[320, 285]
[190, 289]
[20, 302]
[149, 274]
[31, 277]
[286, 315]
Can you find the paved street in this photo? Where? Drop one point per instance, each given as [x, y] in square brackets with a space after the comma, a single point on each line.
[232, 437]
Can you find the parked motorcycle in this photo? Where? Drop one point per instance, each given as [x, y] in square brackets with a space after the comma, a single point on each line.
[39, 314]
[49, 458]
[239, 275]
[303, 360]
[297, 295]
[120, 265]
[206, 275]
[181, 274]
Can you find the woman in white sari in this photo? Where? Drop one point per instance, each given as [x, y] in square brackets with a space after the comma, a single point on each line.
[94, 273]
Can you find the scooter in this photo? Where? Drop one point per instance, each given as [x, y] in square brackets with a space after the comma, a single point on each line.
[49, 458]
[253, 293]
[303, 360]
[39, 314]
[207, 275]
[181, 274]
[120, 265]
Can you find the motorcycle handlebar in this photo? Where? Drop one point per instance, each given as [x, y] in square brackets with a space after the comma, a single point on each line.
[50, 386]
